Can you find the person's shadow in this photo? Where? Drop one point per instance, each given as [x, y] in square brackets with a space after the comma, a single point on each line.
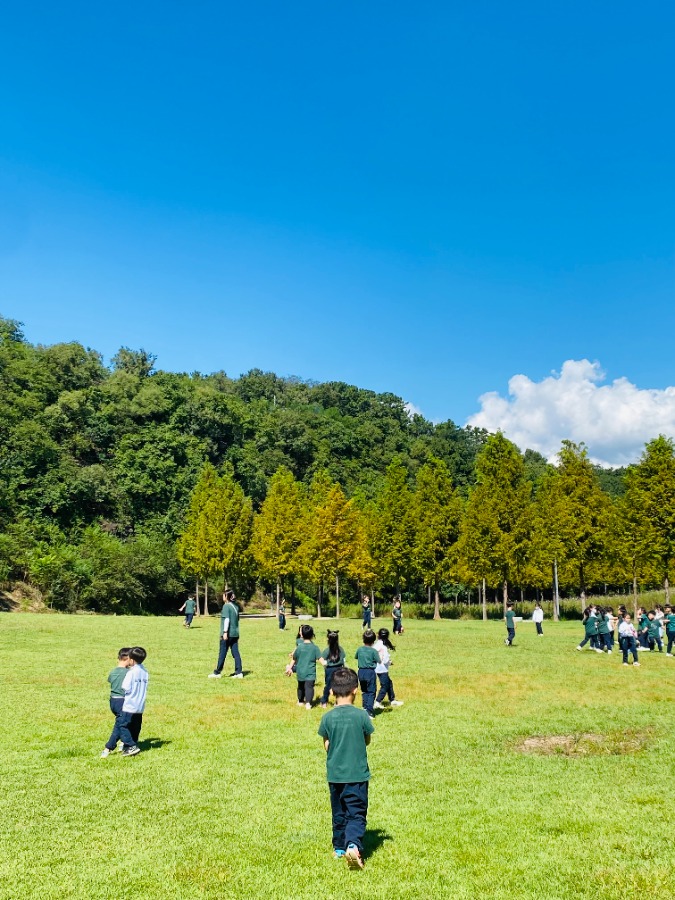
[152, 743]
[373, 839]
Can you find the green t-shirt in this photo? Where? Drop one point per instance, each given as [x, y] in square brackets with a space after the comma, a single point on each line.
[367, 657]
[397, 612]
[190, 607]
[644, 622]
[305, 656]
[509, 615]
[115, 679]
[669, 622]
[231, 612]
[653, 626]
[603, 624]
[591, 626]
[346, 728]
[334, 665]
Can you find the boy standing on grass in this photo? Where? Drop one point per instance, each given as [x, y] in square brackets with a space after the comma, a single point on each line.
[510, 619]
[115, 679]
[135, 686]
[367, 657]
[346, 733]
[190, 607]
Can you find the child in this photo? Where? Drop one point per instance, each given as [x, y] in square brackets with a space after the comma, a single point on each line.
[604, 630]
[305, 657]
[189, 606]
[643, 627]
[115, 679]
[669, 620]
[335, 659]
[628, 640]
[383, 645]
[654, 631]
[397, 616]
[538, 618]
[367, 658]
[282, 615]
[365, 603]
[510, 619]
[346, 733]
[135, 686]
[590, 623]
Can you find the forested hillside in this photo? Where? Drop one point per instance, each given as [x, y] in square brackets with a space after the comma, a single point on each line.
[97, 464]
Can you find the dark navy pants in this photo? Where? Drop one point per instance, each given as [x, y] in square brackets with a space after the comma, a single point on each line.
[386, 688]
[368, 683]
[329, 677]
[231, 644]
[349, 806]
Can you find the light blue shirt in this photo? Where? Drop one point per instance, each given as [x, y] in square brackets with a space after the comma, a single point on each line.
[135, 686]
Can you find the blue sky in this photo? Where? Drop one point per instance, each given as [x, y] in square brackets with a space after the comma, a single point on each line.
[425, 198]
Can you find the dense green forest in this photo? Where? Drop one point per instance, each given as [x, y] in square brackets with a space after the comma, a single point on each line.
[103, 502]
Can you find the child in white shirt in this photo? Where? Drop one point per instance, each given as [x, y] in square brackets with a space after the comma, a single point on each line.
[135, 686]
[383, 645]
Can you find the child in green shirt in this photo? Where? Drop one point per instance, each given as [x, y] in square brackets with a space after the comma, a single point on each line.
[305, 657]
[510, 619]
[368, 658]
[669, 622]
[115, 679]
[346, 734]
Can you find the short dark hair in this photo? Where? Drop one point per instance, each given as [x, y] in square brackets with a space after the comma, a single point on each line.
[344, 682]
[124, 653]
[138, 654]
[307, 632]
[369, 636]
[229, 595]
[509, 604]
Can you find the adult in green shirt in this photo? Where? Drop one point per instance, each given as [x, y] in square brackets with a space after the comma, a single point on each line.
[510, 619]
[229, 636]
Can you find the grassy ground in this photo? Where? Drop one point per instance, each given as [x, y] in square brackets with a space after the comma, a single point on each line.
[229, 798]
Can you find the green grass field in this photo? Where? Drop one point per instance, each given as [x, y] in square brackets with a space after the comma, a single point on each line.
[229, 797]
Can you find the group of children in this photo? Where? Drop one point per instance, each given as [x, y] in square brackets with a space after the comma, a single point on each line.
[600, 623]
[373, 659]
[128, 688]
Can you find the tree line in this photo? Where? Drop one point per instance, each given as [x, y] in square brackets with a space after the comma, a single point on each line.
[121, 485]
[561, 532]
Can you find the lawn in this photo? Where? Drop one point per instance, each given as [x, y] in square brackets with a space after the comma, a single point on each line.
[229, 800]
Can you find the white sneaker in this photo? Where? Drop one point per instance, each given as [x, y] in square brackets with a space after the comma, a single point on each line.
[237, 675]
[120, 747]
[216, 675]
[308, 705]
[636, 664]
[397, 703]
[105, 752]
[625, 664]
[609, 651]
[597, 650]
[580, 648]
[378, 705]
[670, 655]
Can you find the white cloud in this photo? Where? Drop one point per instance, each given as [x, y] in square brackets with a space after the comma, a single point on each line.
[412, 410]
[614, 420]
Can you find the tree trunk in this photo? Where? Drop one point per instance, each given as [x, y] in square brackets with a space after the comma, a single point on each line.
[319, 602]
[199, 612]
[292, 595]
[206, 596]
[372, 601]
[666, 586]
[635, 591]
[337, 595]
[278, 595]
[505, 593]
[484, 601]
[437, 600]
[429, 594]
[556, 594]
[582, 587]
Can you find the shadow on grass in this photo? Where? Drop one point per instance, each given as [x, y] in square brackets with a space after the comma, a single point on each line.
[373, 839]
[152, 743]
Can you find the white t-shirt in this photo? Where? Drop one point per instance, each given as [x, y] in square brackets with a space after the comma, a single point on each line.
[538, 615]
[385, 658]
[626, 629]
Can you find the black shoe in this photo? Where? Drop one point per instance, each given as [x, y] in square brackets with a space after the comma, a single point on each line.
[131, 751]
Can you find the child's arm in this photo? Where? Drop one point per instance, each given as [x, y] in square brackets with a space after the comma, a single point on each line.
[322, 661]
[182, 608]
[367, 739]
[326, 744]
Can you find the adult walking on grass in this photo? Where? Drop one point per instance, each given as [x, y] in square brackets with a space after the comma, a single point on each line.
[229, 636]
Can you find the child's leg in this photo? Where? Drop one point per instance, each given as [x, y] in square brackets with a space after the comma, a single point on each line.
[540, 630]
[338, 813]
[382, 693]
[125, 733]
[116, 704]
[234, 650]
[585, 641]
[659, 643]
[624, 649]
[355, 802]
[222, 653]
[301, 691]
[368, 683]
[671, 639]
[512, 635]
[309, 692]
[326, 688]
[135, 726]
